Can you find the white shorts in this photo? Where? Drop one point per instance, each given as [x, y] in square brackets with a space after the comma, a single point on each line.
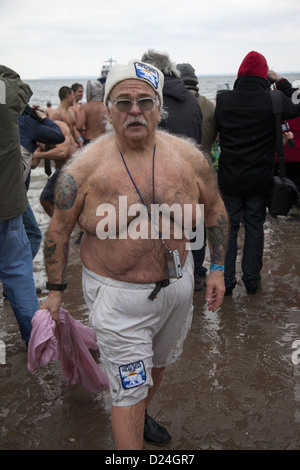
[135, 333]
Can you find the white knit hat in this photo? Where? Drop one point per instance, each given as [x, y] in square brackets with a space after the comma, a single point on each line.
[135, 69]
[94, 91]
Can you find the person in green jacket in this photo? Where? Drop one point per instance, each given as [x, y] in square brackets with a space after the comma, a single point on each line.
[209, 127]
[15, 254]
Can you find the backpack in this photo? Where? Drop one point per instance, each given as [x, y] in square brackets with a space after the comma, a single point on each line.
[283, 192]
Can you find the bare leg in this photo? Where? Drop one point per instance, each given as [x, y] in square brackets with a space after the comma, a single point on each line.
[128, 426]
[128, 421]
[155, 433]
[157, 376]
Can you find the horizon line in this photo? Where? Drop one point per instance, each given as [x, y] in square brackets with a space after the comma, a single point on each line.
[95, 77]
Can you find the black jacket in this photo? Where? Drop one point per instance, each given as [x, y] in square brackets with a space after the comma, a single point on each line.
[184, 113]
[247, 139]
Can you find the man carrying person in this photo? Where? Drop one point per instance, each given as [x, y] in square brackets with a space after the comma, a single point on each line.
[35, 128]
[139, 289]
[59, 154]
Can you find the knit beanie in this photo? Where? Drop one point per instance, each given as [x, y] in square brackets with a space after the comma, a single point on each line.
[135, 69]
[94, 91]
[254, 64]
[187, 74]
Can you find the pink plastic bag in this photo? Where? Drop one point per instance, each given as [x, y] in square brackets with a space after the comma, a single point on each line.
[67, 341]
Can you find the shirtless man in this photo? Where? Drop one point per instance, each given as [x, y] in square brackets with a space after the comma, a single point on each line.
[92, 115]
[78, 95]
[59, 154]
[65, 114]
[141, 317]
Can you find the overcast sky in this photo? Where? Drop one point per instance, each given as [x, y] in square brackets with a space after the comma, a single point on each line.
[71, 38]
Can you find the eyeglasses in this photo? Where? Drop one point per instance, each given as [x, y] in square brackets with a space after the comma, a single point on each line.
[124, 105]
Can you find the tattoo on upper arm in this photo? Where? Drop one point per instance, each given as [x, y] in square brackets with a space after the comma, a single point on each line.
[66, 192]
[217, 236]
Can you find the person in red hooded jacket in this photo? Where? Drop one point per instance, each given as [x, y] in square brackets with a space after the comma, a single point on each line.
[247, 138]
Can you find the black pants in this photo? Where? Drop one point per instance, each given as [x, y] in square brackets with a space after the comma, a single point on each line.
[199, 257]
[253, 209]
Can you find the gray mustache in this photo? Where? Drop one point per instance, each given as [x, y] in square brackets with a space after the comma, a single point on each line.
[133, 120]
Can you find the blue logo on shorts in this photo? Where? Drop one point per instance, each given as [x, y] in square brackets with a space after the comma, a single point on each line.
[133, 375]
[147, 73]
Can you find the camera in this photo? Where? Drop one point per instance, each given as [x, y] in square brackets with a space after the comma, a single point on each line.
[173, 264]
[285, 127]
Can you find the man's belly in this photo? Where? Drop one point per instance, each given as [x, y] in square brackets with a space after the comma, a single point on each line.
[137, 261]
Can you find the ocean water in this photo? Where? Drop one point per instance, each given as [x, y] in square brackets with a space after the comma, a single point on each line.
[47, 90]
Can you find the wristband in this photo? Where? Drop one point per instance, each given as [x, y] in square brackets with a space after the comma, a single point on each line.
[80, 139]
[56, 287]
[217, 267]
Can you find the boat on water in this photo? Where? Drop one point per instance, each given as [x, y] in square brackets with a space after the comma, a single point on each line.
[106, 67]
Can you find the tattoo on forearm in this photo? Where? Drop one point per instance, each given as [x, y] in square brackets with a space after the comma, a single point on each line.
[217, 236]
[49, 252]
[66, 192]
[55, 264]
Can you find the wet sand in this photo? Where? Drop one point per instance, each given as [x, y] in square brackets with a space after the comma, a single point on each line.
[235, 387]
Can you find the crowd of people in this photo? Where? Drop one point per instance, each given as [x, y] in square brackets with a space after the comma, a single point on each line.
[147, 133]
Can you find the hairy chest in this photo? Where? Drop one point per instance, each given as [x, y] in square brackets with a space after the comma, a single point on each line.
[116, 200]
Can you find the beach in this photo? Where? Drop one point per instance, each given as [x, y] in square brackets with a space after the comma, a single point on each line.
[236, 385]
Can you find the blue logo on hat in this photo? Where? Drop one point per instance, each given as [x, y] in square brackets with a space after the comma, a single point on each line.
[147, 73]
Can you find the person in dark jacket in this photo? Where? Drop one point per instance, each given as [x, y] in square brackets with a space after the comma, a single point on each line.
[246, 124]
[184, 118]
[183, 112]
[35, 126]
[209, 133]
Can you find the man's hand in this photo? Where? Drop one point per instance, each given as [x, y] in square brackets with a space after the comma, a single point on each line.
[40, 112]
[273, 76]
[286, 137]
[53, 304]
[215, 290]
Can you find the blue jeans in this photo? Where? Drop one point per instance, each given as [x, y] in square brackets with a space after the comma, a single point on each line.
[253, 209]
[33, 231]
[16, 273]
